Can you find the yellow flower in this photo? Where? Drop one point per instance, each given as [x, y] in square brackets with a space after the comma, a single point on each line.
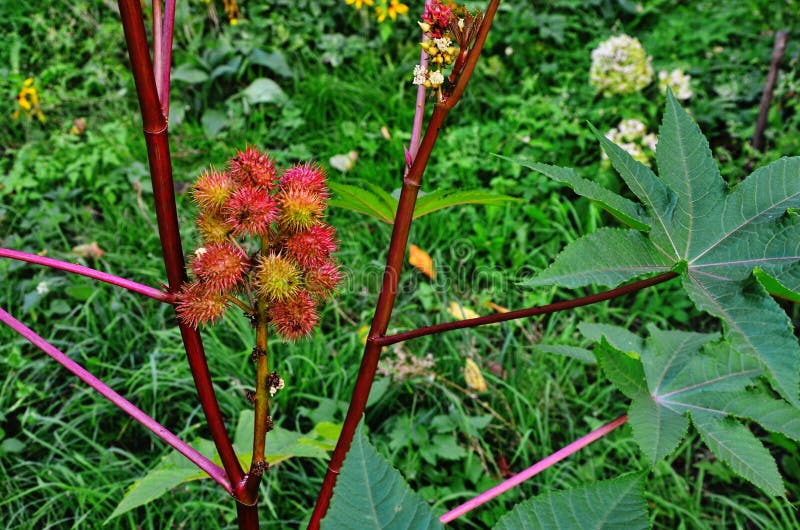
[28, 101]
[392, 10]
[359, 3]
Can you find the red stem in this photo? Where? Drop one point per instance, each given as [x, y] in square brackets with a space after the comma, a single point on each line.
[391, 277]
[166, 54]
[155, 294]
[522, 313]
[213, 470]
[155, 131]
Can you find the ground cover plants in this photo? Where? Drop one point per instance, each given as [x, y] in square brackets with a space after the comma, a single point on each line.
[305, 99]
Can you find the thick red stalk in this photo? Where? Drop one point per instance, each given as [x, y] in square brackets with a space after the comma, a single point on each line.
[155, 130]
[523, 313]
[391, 277]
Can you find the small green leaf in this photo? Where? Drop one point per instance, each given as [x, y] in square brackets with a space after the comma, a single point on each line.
[440, 199]
[188, 74]
[263, 90]
[363, 201]
[150, 487]
[371, 494]
[622, 369]
[606, 504]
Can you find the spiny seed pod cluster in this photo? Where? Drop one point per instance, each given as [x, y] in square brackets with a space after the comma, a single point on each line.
[450, 33]
[278, 214]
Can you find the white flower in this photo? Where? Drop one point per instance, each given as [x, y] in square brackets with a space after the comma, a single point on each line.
[435, 78]
[620, 66]
[200, 251]
[420, 74]
[631, 129]
[677, 81]
[42, 288]
[650, 141]
[442, 43]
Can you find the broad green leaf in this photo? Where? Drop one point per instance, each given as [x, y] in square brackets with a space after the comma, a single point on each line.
[608, 504]
[380, 205]
[175, 469]
[188, 74]
[620, 338]
[371, 494]
[440, 199]
[363, 201]
[263, 90]
[588, 261]
[735, 445]
[150, 487]
[623, 209]
[716, 238]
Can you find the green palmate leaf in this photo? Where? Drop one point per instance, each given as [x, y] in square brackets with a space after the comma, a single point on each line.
[735, 445]
[715, 238]
[380, 205]
[440, 199]
[697, 375]
[623, 209]
[611, 504]
[371, 494]
[587, 260]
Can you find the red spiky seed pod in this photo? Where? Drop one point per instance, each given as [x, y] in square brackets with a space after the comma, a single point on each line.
[197, 306]
[296, 317]
[250, 210]
[310, 177]
[251, 167]
[311, 248]
[276, 278]
[322, 281]
[220, 266]
[212, 189]
[213, 228]
[300, 208]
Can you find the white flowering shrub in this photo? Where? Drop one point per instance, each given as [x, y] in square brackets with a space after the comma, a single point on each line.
[632, 136]
[677, 81]
[620, 66]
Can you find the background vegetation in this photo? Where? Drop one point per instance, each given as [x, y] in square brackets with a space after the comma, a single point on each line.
[313, 79]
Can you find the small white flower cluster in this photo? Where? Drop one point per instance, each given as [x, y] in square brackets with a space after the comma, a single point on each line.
[677, 81]
[620, 66]
[428, 78]
[277, 386]
[632, 136]
[42, 288]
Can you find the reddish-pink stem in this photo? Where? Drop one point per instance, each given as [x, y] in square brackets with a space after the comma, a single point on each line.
[166, 54]
[151, 292]
[158, 52]
[419, 109]
[213, 470]
[538, 467]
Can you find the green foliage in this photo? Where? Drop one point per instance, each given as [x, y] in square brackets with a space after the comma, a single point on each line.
[605, 504]
[695, 375]
[371, 494]
[718, 237]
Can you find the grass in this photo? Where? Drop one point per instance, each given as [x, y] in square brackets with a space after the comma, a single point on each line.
[530, 98]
